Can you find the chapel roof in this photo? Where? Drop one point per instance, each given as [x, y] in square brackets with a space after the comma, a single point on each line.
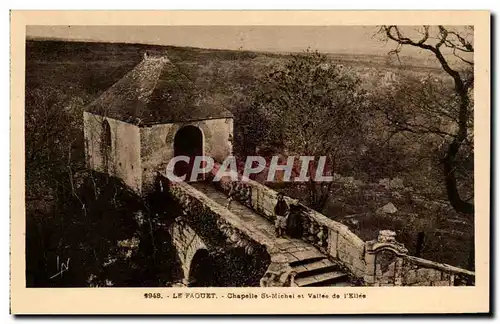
[155, 92]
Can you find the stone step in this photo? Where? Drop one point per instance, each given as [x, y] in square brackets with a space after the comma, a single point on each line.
[313, 268]
[307, 260]
[324, 279]
[342, 284]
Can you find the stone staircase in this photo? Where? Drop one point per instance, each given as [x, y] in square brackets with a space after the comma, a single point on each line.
[319, 271]
[311, 266]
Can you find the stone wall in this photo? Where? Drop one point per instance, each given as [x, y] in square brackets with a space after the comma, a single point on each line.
[157, 144]
[334, 239]
[125, 161]
[213, 221]
[218, 137]
[187, 243]
[156, 150]
[240, 253]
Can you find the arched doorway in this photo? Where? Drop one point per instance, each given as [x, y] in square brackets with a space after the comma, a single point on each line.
[201, 272]
[188, 141]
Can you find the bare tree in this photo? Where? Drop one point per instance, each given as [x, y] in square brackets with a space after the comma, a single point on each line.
[450, 47]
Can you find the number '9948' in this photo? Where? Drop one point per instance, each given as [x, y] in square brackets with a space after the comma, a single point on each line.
[153, 295]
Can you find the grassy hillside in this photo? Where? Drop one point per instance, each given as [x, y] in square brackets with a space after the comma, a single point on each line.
[93, 67]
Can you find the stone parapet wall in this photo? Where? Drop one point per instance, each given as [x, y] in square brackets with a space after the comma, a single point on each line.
[333, 239]
[388, 264]
[214, 218]
[381, 262]
[422, 272]
[330, 237]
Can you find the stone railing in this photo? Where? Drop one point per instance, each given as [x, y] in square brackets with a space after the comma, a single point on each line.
[381, 262]
[387, 264]
[252, 194]
[422, 272]
[330, 237]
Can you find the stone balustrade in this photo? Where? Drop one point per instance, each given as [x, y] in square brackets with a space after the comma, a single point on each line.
[333, 239]
[388, 264]
[381, 262]
[422, 272]
[384, 260]
[330, 237]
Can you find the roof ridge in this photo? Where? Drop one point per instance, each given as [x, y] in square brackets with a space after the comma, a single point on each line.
[162, 58]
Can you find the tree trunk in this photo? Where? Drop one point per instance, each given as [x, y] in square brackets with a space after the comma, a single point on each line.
[471, 262]
[318, 195]
[319, 192]
[456, 201]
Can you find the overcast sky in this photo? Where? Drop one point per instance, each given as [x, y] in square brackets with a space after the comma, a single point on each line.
[332, 39]
[327, 39]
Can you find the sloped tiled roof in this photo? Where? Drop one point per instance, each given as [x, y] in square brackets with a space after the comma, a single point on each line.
[156, 91]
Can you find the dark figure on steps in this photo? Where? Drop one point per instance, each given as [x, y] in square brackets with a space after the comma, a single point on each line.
[281, 211]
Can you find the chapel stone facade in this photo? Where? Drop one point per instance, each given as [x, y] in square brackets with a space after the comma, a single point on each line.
[152, 114]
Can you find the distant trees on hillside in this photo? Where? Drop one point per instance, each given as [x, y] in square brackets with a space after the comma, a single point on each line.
[312, 107]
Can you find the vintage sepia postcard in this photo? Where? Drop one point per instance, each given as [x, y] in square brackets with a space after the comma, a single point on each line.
[229, 162]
